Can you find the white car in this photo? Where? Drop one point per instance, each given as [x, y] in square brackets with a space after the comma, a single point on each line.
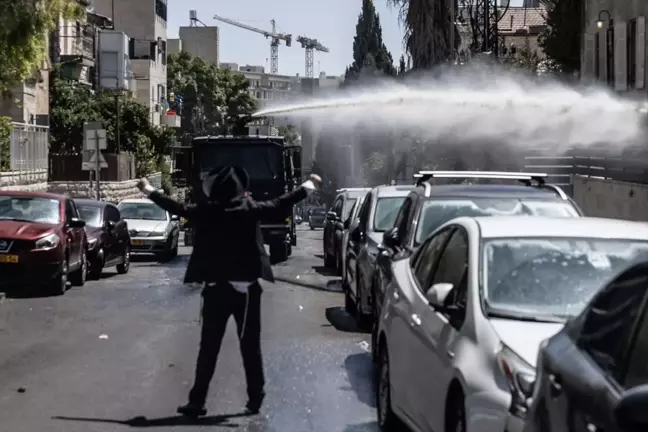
[463, 319]
[152, 229]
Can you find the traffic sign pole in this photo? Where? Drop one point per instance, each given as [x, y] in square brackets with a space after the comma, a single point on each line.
[97, 163]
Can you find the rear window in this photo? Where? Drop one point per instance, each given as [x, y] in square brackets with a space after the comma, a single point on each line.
[437, 212]
[348, 206]
[386, 212]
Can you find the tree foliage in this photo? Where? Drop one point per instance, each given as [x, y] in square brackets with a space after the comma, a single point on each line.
[24, 31]
[427, 30]
[290, 134]
[370, 54]
[215, 100]
[5, 143]
[562, 37]
[71, 105]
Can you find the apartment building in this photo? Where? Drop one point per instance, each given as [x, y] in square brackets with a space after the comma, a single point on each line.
[613, 49]
[145, 23]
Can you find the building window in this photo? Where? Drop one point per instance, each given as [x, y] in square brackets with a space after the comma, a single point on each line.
[142, 49]
[163, 54]
[631, 44]
[258, 95]
[161, 9]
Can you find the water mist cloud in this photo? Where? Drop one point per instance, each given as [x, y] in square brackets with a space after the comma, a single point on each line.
[481, 104]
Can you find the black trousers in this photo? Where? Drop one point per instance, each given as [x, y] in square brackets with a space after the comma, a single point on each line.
[219, 302]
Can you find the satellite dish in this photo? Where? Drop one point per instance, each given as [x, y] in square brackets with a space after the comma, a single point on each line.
[90, 6]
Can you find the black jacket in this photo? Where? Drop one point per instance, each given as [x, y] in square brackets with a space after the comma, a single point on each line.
[228, 244]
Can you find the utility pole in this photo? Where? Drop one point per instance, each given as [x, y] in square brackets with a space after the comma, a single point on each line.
[97, 164]
[453, 12]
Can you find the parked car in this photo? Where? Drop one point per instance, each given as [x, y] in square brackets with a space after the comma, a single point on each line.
[151, 229]
[463, 319]
[429, 206]
[334, 226]
[349, 225]
[316, 218]
[42, 242]
[592, 375]
[107, 234]
[377, 215]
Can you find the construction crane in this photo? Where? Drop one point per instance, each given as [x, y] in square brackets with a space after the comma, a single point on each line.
[310, 45]
[272, 34]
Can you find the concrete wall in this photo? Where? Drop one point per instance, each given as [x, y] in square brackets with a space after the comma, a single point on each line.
[611, 199]
[203, 42]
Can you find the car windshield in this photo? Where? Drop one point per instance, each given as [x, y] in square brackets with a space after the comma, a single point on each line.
[30, 209]
[386, 212]
[437, 212]
[142, 211]
[90, 214]
[348, 206]
[319, 212]
[262, 162]
[548, 277]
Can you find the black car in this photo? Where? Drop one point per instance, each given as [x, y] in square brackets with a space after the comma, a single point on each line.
[316, 218]
[592, 375]
[429, 206]
[108, 238]
[334, 226]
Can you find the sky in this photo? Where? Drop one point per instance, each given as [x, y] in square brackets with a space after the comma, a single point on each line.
[331, 22]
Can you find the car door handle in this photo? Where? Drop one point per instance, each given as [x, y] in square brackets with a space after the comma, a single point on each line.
[415, 320]
[450, 353]
[556, 386]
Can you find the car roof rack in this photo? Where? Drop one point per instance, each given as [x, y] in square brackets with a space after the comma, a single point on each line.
[527, 178]
[352, 190]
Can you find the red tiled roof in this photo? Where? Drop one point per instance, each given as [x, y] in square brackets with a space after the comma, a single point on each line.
[517, 19]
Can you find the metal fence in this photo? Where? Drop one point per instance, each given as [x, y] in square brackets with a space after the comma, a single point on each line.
[29, 148]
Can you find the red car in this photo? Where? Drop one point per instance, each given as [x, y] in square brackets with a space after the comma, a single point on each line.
[42, 242]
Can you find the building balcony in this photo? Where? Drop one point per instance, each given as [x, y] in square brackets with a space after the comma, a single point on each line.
[171, 120]
[79, 47]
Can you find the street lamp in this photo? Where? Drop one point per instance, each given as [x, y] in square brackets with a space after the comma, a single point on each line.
[600, 22]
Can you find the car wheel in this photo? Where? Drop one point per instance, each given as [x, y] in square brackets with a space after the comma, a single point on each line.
[78, 278]
[387, 420]
[455, 412]
[97, 266]
[59, 283]
[125, 264]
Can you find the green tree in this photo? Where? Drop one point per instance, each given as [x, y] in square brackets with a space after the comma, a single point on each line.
[24, 30]
[72, 105]
[427, 30]
[370, 54]
[214, 100]
[562, 36]
[290, 134]
[402, 68]
[5, 143]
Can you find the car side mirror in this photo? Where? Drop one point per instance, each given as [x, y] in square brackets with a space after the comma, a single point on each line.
[391, 238]
[438, 293]
[331, 216]
[76, 223]
[631, 413]
[175, 218]
[109, 225]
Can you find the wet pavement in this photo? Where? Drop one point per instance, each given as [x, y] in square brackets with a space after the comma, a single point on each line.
[118, 354]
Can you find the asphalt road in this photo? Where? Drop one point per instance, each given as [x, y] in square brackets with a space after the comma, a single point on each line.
[118, 354]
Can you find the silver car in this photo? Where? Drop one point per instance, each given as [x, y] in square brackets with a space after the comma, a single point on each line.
[377, 215]
[152, 229]
[462, 322]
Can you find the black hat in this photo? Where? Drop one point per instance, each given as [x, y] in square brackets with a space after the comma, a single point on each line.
[224, 184]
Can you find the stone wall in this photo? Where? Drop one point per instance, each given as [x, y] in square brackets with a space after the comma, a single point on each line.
[610, 198]
[33, 181]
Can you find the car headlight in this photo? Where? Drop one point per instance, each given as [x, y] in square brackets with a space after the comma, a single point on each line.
[520, 377]
[158, 234]
[48, 242]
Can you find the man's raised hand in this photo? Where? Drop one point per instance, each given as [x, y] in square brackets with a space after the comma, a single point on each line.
[142, 184]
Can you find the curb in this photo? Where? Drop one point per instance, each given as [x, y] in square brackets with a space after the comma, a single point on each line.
[297, 282]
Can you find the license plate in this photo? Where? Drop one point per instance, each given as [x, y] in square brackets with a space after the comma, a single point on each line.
[137, 242]
[13, 259]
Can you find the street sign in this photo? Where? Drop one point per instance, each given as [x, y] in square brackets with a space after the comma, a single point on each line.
[89, 161]
[90, 139]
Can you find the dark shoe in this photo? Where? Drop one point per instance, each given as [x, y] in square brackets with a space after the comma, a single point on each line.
[254, 405]
[192, 411]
